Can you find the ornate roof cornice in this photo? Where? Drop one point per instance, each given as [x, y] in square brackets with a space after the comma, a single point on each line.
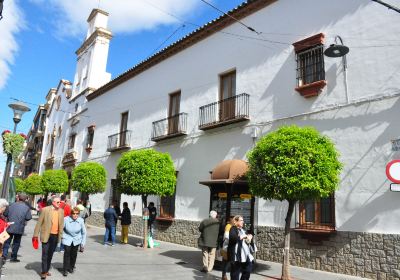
[99, 32]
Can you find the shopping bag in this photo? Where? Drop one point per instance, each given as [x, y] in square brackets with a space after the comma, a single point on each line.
[35, 243]
[4, 236]
[150, 242]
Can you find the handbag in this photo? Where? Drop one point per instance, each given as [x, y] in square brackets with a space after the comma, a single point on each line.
[4, 236]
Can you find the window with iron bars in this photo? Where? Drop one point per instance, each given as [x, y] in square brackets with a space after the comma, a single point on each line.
[317, 214]
[310, 65]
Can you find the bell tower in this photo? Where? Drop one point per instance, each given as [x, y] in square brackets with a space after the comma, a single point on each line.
[92, 55]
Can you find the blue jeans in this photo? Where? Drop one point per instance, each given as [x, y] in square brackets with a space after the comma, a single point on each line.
[110, 230]
[16, 238]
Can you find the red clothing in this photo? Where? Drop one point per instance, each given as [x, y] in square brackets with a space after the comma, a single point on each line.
[66, 207]
[3, 224]
[41, 205]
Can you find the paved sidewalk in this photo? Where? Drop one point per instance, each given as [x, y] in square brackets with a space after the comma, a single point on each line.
[169, 261]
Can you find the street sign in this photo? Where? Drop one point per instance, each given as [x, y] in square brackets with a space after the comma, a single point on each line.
[393, 171]
[395, 187]
[396, 145]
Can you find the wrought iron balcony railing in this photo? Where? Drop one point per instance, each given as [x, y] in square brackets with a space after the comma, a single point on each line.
[169, 127]
[119, 141]
[226, 111]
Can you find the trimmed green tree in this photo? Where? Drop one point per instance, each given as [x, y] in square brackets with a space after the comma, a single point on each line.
[89, 178]
[293, 164]
[55, 181]
[19, 185]
[33, 184]
[146, 172]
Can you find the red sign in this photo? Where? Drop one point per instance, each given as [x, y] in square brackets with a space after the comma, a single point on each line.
[393, 171]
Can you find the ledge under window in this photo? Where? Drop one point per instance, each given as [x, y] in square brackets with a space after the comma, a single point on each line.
[165, 219]
[316, 234]
[312, 89]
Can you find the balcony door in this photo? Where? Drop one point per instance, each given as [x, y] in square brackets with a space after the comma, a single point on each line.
[122, 129]
[227, 93]
[173, 112]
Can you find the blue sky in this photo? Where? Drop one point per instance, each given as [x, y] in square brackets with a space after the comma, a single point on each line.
[40, 37]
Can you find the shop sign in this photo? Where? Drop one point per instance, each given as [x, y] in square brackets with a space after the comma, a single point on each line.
[245, 196]
[222, 195]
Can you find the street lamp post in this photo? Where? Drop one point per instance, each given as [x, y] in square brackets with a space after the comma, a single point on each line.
[19, 108]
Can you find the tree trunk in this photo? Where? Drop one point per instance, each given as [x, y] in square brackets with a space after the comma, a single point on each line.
[286, 250]
[145, 221]
[144, 200]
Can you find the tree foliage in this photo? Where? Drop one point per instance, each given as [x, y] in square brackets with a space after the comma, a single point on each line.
[294, 163]
[13, 144]
[33, 184]
[19, 185]
[146, 172]
[89, 177]
[55, 181]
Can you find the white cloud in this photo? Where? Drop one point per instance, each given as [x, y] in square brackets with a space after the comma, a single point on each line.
[125, 15]
[10, 25]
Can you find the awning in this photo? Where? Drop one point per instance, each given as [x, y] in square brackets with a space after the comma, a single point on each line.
[232, 171]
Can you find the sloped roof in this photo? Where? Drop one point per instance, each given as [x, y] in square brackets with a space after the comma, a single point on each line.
[210, 28]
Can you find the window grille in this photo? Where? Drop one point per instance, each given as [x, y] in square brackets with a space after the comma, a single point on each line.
[310, 65]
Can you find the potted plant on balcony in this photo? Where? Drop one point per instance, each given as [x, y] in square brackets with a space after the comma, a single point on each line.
[293, 164]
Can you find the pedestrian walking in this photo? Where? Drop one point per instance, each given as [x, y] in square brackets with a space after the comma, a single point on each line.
[239, 252]
[50, 226]
[83, 211]
[67, 212]
[111, 218]
[41, 204]
[74, 236]
[152, 218]
[18, 214]
[3, 226]
[224, 249]
[208, 240]
[125, 222]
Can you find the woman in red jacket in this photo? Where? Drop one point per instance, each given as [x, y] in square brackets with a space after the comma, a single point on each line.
[3, 225]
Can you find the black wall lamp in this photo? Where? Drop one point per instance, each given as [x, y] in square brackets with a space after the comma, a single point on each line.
[339, 50]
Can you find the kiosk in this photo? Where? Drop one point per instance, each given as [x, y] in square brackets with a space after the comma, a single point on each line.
[229, 192]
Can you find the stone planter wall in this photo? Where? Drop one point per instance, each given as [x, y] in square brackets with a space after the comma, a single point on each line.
[369, 255]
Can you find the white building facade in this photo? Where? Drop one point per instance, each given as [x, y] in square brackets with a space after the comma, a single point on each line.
[208, 97]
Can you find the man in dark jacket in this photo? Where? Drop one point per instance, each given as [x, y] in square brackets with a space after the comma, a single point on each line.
[152, 218]
[111, 218]
[125, 222]
[17, 213]
[208, 240]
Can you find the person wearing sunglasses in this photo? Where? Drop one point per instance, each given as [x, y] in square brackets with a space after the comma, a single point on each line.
[74, 236]
[50, 226]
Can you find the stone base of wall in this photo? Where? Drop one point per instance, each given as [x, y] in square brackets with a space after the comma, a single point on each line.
[369, 255]
[178, 231]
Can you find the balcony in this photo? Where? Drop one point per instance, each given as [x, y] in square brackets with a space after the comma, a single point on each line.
[49, 162]
[70, 158]
[119, 141]
[230, 110]
[170, 127]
